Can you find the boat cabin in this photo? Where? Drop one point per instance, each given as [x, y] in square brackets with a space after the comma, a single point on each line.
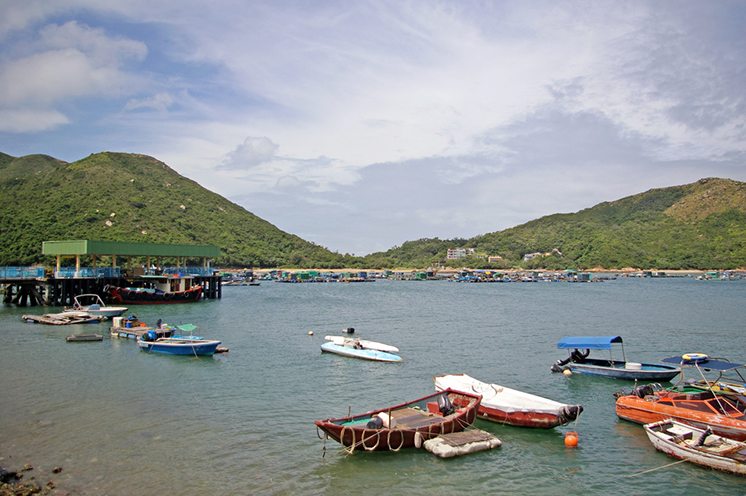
[169, 283]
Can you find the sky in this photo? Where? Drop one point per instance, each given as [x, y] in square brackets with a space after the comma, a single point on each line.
[360, 125]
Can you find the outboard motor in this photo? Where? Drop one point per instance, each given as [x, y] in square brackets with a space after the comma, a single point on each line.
[571, 412]
[703, 437]
[150, 336]
[643, 390]
[444, 405]
[349, 330]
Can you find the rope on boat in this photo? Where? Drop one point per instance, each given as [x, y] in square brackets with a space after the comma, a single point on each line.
[654, 469]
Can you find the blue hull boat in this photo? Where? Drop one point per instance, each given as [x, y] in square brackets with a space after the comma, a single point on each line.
[180, 346]
[579, 363]
[364, 353]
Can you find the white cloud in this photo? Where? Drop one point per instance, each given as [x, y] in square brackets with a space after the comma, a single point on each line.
[158, 102]
[29, 120]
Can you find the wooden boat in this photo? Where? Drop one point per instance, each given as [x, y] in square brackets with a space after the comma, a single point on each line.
[509, 406]
[83, 338]
[164, 289]
[405, 425]
[358, 351]
[650, 403]
[698, 446]
[371, 345]
[63, 318]
[177, 346]
[579, 363]
[94, 305]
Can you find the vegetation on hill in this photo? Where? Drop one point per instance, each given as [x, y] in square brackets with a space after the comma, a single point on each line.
[128, 197]
[696, 226]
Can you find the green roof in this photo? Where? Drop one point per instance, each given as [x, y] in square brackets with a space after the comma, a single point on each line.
[91, 247]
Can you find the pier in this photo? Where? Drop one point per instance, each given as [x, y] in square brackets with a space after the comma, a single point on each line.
[32, 286]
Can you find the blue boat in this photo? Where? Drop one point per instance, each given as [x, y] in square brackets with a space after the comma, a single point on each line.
[177, 346]
[579, 363]
[360, 352]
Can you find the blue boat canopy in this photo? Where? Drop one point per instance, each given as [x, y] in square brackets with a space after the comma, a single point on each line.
[589, 342]
[710, 363]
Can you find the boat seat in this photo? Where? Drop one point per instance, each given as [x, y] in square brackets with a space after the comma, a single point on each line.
[682, 437]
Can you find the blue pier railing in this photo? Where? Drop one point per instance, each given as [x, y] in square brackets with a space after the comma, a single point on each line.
[21, 272]
[90, 272]
[189, 271]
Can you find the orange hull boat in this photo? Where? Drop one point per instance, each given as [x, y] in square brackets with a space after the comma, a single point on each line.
[723, 415]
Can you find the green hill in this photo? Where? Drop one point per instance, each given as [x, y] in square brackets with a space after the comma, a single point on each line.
[128, 197]
[695, 226]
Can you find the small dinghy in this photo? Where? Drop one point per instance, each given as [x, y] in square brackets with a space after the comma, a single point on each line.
[177, 346]
[698, 446]
[406, 425]
[83, 338]
[371, 345]
[509, 406]
[354, 348]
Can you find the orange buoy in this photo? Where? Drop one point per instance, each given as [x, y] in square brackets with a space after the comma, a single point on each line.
[571, 439]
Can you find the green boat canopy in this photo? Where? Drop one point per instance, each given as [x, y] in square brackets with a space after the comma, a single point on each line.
[589, 342]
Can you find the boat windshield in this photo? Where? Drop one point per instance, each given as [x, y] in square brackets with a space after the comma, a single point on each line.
[722, 405]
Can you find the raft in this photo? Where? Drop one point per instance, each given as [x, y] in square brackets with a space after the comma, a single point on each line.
[461, 443]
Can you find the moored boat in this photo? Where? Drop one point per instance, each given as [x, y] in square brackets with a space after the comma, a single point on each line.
[177, 346]
[699, 446]
[579, 362]
[650, 403]
[509, 406]
[405, 425]
[371, 345]
[162, 290]
[94, 305]
[354, 349]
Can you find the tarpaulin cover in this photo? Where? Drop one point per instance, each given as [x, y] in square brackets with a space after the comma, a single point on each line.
[589, 342]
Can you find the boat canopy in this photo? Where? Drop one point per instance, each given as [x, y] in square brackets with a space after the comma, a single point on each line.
[589, 342]
[708, 364]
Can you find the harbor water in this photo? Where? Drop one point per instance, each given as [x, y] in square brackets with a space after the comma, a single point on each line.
[120, 421]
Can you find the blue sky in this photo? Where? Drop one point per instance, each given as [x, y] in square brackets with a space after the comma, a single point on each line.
[360, 125]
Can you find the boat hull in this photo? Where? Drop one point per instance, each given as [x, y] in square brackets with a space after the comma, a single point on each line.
[353, 433]
[717, 452]
[509, 406]
[133, 297]
[167, 346]
[620, 370]
[365, 354]
[650, 410]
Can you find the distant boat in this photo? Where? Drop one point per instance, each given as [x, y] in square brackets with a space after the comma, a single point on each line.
[354, 349]
[166, 289]
[509, 406]
[405, 425]
[699, 446]
[579, 363]
[94, 305]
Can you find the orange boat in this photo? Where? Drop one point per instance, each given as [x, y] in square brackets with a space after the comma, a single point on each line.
[649, 403]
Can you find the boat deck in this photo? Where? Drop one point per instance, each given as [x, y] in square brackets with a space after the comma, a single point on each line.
[412, 418]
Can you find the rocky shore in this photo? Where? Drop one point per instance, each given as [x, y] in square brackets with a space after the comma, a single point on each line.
[24, 483]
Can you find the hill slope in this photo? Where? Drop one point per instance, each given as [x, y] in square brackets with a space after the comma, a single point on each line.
[695, 226]
[128, 197]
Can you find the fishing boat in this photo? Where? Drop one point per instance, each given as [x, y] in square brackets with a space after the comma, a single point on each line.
[729, 380]
[353, 348]
[94, 305]
[63, 318]
[509, 406]
[161, 289]
[84, 338]
[649, 403]
[177, 346]
[699, 446]
[579, 363]
[405, 425]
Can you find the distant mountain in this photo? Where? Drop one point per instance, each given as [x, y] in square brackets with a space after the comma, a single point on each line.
[129, 197]
[695, 226]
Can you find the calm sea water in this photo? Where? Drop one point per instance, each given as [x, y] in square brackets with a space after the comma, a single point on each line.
[124, 422]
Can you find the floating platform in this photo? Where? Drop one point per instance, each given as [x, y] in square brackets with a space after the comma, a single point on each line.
[83, 338]
[461, 443]
[63, 318]
[137, 332]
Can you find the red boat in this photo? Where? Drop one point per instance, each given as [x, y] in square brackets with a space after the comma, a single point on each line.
[160, 290]
[406, 425]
